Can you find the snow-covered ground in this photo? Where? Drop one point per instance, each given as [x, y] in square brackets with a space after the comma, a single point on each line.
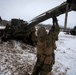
[65, 55]
[17, 58]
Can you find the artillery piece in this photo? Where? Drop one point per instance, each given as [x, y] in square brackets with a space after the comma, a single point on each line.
[25, 31]
[11, 32]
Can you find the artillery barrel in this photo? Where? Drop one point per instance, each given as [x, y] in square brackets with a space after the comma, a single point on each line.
[58, 10]
[61, 9]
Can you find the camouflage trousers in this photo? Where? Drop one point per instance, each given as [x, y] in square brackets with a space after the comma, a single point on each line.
[41, 68]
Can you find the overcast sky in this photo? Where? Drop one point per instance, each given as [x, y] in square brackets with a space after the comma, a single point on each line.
[28, 9]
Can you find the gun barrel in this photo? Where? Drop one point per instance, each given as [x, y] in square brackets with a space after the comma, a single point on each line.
[58, 10]
[61, 9]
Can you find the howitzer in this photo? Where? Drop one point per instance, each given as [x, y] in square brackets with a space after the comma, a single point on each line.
[24, 30]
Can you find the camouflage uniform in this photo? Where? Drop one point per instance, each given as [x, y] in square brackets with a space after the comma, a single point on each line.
[30, 37]
[45, 50]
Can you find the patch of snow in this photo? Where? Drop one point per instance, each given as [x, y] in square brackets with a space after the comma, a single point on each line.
[37, 17]
[65, 54]
[2, 27]
[14, 60]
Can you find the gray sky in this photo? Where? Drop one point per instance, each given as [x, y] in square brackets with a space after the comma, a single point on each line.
[28, 9]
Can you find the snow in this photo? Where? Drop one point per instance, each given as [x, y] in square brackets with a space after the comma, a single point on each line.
[17, 58]
[65, 55]
[2, 27]
[35, 19]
